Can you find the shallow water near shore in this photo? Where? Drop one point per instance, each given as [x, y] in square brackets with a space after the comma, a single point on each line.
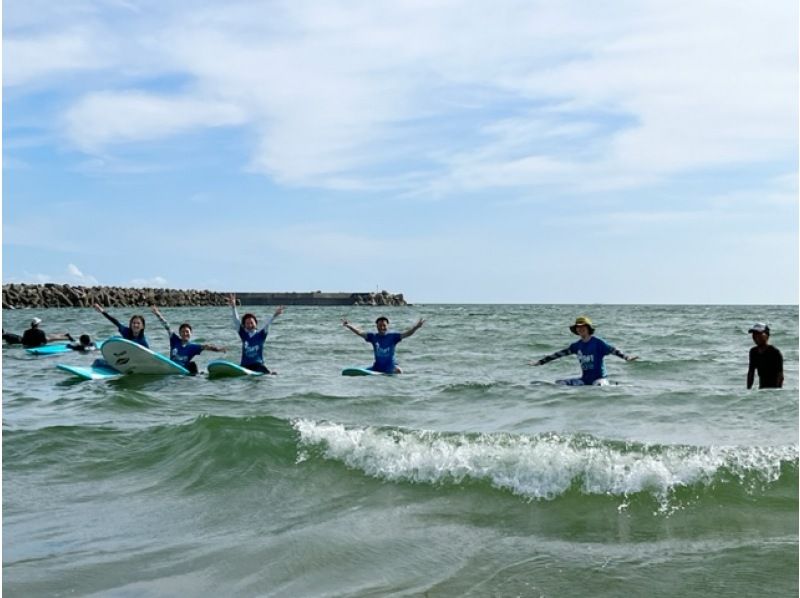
[471, 474]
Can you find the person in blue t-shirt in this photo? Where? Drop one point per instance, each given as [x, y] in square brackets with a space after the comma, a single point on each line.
[134, 331]
[383, 343]
[181, 350]
[590, 351]
[252, 338]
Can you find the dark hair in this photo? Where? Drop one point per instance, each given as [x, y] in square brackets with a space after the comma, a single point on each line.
[133, 318]
[384, 318]
[185, 325]
[85, 339]
[249, 315]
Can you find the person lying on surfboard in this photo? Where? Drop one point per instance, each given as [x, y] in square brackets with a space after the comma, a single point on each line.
[252, 338]
[84, 344]
[34, 336]
[590, 351]
[383, 343]
[134, 331]
[181, 351]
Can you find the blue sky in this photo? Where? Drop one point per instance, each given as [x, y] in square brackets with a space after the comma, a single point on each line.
[455, 151]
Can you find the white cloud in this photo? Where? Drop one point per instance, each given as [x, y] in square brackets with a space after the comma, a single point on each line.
[157, 282]
[450, 96]
[113, 117]
[75, 276]
[41, 57]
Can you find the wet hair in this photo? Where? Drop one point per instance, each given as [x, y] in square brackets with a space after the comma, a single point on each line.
[130, 322]
[85, 339]
[384, 318]
[249, 315]
[185, 325]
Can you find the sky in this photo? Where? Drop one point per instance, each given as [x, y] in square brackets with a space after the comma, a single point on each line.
[456, 151]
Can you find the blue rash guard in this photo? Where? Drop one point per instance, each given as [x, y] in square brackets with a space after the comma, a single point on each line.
[253, 346]
[590, 354]
[126, 333]
[180, 353]
[383, 345]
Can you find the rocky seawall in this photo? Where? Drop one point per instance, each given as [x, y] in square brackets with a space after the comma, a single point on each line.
[17, 296]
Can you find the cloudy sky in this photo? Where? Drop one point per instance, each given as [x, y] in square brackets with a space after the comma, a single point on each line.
[455, 150]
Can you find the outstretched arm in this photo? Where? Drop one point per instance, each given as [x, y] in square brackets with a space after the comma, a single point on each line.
[550, 357]
[232, 302]
[413, 329]
[214, 348]
[619, 353]
[353, 329]
[271, 319]
[64, 336]
[161, 319]
[109, 317]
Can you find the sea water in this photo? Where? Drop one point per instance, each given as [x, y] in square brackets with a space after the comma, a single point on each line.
[471, 474]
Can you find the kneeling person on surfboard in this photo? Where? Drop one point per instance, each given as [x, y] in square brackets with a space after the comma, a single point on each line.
[134, 331]
[383, 343]
[590, 351]
[181, 351]
[252, 338]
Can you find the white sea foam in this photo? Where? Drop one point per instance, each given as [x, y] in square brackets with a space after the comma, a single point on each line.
[540, 467]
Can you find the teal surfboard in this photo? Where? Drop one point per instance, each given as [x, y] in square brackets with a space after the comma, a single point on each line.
[359, 371]
[219, 368]
[54, 349]
[90, 373]
[131, 358]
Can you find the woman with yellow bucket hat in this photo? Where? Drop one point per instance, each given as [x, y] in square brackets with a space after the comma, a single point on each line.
[590, 351]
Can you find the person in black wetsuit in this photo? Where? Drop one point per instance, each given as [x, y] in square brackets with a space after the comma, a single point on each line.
[34, 336]
[84, 344]
[764, 359]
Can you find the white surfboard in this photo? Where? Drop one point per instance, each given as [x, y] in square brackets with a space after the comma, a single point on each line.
[220, 368]
[131, 358]
[90, 373]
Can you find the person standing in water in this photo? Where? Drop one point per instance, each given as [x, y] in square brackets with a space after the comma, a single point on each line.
[765, 359]
[252, 337]
[134, 331]
[383, 343]
[590, 351]
[181, 350]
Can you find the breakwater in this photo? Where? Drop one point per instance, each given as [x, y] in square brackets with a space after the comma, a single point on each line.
[17, 296]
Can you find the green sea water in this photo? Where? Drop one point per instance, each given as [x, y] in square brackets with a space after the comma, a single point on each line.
[471, 474]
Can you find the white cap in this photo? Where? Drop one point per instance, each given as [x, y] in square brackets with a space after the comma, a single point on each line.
[759, 327]
[36, 321]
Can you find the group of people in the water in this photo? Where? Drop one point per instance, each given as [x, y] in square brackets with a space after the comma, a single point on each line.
[764, 359]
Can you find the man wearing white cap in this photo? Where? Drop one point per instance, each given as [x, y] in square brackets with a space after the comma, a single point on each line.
[36, 337]
[764, 359]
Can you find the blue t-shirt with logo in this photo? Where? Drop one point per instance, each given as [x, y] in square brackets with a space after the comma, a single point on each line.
[590, 355]
[383, 345]
[252, 346]
[180, 353]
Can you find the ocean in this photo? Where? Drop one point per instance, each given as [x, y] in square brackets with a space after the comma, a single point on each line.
[469, 475]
